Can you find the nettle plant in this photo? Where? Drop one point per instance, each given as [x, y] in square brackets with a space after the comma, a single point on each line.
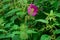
[29, 20]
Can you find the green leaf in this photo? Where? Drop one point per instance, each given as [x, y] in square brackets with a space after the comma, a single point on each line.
[1, 20]
[8, 25]
[31, 31]
[51, 13]
[6, 1]
[21, 14]
[25, 1]
[14, 27]
[56, 4]
[16, 37]
[58, 38]
[57, 14]
[42, 20]
[23, 35]
[45, 37]
[6, 6]
[2, 30]
[56, 31]
[2, 36]
[13, 18]
[16, 32]
[12, 12]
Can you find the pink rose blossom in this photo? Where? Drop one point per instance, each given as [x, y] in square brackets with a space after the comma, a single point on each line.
[32, 10]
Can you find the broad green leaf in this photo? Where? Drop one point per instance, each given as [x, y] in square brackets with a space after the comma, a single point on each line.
[45, 37]
[42, 20]
[56, 31]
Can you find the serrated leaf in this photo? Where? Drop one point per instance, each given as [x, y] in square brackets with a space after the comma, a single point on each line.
[42, 20]
[56, 31]
[45, 37]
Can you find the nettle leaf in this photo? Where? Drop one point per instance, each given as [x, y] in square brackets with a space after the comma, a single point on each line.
[57, 14]
[45, 37]
[31, 31]
[56, 31]
[10, 13]
[58, 38]
[42, 20]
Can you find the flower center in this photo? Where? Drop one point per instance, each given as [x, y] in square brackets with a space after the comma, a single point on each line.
[32, 10]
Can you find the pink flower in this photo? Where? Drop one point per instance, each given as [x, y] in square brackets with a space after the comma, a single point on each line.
[32, 10]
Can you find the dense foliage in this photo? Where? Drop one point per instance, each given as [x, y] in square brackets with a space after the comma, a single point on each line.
[17, 24]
